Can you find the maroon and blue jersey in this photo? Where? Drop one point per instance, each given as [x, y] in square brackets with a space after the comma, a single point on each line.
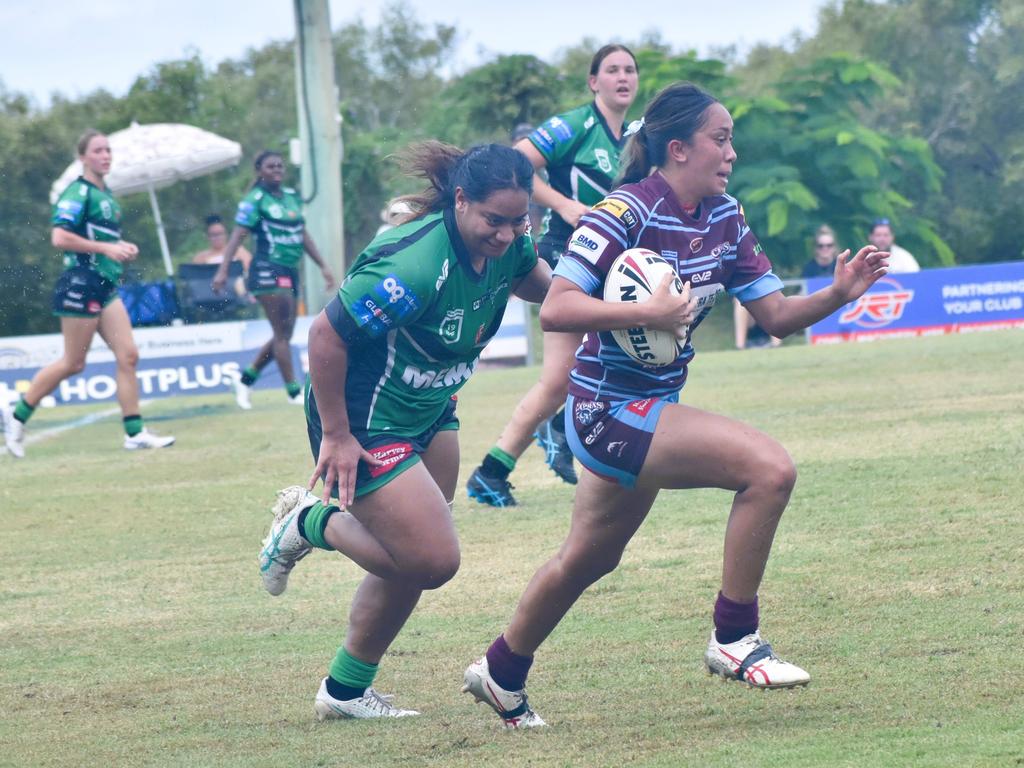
[712, 248]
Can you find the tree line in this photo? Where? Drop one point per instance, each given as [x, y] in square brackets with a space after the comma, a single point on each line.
[907, 109]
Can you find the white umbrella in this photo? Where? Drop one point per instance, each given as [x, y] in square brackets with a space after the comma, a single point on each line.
[150, 157]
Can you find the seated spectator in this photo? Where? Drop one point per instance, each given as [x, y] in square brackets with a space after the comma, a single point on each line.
[883, 238]
[825, 251]
[217, 237]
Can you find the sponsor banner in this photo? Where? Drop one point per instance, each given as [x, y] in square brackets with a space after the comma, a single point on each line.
[191, 359]
[984, 297]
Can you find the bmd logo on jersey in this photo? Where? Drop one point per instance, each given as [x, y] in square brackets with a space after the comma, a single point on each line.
[879, 308]
[588, 244]
[450, 329]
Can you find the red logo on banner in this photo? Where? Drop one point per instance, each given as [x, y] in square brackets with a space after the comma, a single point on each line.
[878, 309]
[391, 455]
[641, 407]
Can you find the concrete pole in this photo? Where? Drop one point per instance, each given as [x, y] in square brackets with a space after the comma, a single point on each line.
[320, 135]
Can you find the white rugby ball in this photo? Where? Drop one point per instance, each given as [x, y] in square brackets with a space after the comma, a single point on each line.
[634, 276]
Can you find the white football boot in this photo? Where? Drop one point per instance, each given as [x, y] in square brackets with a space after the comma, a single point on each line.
[146, 439]
[243, 393]
[512, 706]
[370, 704]
[298, 399]
[284, 546]
[752, 661]
[14, 432]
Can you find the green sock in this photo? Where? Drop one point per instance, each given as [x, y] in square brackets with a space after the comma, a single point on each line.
[507, 460]
[350, 671]
[293, 388]
[23, 411]
[132, 425]
[313, 523]
[249, 376]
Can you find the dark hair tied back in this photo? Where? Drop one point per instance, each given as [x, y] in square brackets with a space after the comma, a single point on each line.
[478, 172]
[677, 112]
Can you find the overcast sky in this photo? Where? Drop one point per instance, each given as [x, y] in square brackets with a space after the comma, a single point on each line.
[76, 46]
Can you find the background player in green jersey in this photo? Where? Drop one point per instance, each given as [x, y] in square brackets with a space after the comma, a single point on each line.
[87, 229]
[273, 213]
[580, 150]
[386, 358]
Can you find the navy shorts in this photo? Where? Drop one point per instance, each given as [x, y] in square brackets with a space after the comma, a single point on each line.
[265, 277]
[611, 438]
[397, 452]
[82, 292]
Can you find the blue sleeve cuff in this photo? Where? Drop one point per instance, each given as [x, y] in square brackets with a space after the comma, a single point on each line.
[576, 273]
[758, 289]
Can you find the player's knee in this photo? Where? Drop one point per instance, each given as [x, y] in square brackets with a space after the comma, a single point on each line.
[435, 569]
[129, 358]
[777, 473]
[74, 365]
[587, 566]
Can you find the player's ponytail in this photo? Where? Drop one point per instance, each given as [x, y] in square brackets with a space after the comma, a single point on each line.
[478, 172]
[677, 112]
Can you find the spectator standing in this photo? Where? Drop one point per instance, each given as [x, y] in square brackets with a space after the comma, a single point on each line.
[884, 239]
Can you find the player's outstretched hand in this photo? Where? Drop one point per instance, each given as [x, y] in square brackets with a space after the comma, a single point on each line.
[854, 276]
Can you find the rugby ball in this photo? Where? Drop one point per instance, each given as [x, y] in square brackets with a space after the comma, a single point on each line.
[634, 276]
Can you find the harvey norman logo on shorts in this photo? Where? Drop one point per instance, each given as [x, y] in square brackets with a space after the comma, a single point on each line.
[588, 244]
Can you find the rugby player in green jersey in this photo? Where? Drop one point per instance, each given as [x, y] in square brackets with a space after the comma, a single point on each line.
[386, 358]
[87, 229]
[273, 213]
[580, 150]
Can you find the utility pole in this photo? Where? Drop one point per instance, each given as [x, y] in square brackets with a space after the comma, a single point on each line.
[320, 136]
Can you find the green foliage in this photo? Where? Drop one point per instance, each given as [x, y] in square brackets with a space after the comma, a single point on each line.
[808, 154]
[907, 109]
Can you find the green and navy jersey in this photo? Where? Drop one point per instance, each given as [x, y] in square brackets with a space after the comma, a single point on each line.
[416, 315]
[90, 212]
[582, 158]
[276, 222]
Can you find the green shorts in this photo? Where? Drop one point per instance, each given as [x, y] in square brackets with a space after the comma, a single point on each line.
[397, 452]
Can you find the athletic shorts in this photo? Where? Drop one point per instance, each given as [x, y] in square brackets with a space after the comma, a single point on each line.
[398, 453]
[266, 276]
[82, 292]
[611, 438]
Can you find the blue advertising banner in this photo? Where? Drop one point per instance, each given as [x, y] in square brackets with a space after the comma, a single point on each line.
[985, 297]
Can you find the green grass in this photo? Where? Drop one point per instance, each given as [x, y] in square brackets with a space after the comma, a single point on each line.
[134, 632]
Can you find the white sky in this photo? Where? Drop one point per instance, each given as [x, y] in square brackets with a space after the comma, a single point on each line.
[76, 46]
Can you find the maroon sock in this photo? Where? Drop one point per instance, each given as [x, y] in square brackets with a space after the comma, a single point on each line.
[508, 669]
[734, 620]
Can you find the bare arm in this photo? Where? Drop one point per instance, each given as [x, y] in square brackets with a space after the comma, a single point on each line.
[570, 210]
[340, 452]
[534, 285]
[119, 250]
[568, 308]
[782, 315]
[238, 234]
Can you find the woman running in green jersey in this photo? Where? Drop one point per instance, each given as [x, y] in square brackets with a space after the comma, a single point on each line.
[273, 213]
[580, 150]
[87, 229]
[386, 358]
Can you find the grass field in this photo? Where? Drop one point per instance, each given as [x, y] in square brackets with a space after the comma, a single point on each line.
[134, 631]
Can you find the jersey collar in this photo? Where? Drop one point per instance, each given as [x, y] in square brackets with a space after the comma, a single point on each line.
[619, 142]
[461, 252]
